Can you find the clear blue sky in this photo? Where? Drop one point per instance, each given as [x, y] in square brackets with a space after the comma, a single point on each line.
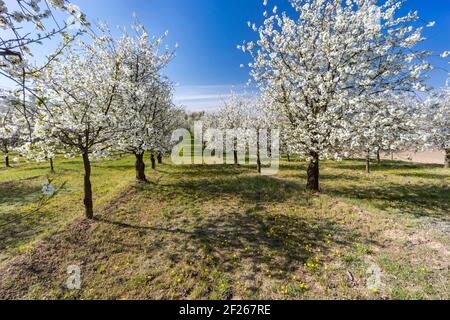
[207, 65]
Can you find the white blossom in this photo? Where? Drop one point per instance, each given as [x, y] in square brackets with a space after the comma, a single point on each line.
[321, 68]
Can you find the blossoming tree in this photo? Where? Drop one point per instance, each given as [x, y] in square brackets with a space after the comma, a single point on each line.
[15, 15]
[26, 24]
[230, 118]
[385, 123]
[146, 95]
[437, 122]
[324, 63]
[258, 120]
[10, 129]
[173, 118]
[78, 106]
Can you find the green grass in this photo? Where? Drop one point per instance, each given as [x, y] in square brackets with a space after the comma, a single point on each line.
[20, 190]
[224, 232]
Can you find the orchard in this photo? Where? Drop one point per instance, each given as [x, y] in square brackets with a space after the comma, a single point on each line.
[325, 177]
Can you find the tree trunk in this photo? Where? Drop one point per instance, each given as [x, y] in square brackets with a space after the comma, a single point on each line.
[153, 160]
[7, 161]
[140, 167]
[52, 167]
[235, 153]
[392, 156]
[160, 160]
[368, 162]
[258, 155]
[289, 157]
[88, 202]
[447, 159]
[313, 173]
[378, 156]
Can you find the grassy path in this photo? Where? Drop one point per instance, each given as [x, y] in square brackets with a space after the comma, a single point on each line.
[217, 232]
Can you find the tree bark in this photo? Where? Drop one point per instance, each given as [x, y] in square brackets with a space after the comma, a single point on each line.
[313, 173]
[368, 162]
[88, 202]
[235, 153]
[160, 160]
[258, 155]
[140, 167]
[52, 167]
[153, 160]
[447, 158]
[7, 161]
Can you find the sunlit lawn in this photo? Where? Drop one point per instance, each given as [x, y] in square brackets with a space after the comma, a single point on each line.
[223, 232]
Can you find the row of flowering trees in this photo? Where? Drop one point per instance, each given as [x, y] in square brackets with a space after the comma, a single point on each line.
[101, 96]
[333, 68]
[9, 132]
[338, 78]
[387, 125]
[24, 25]
[437, 122]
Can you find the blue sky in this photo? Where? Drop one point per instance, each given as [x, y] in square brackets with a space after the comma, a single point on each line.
[207, 65]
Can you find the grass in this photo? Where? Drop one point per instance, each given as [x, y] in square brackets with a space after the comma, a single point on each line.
[20, 190]
[224, 232]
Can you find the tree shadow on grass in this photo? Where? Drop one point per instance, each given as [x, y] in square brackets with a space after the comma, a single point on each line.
[293, 167]
[339, 177]
[244, 241]
[19, 224]
[424, 175]
[242, 246]
[195, 171]
[247, 188]
[17, 228]
[12, 192]
[137, 227]
[256, 241]
[245, 244]
[360, 165]
[418, 200]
